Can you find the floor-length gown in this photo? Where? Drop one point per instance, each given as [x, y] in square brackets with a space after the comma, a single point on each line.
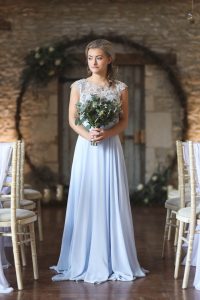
[98, 239]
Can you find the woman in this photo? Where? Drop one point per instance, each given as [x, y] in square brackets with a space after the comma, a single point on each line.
[98, 240]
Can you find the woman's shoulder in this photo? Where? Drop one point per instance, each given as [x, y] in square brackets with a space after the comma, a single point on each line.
[78, 83]
[120, 85]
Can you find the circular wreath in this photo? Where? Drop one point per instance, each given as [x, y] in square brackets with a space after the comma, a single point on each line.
[45, 63]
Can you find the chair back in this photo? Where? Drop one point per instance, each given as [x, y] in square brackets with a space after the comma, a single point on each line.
[183, 174]
[11, 174]
[5, 161]
[192, 161]
[193, 183]
[21, 170]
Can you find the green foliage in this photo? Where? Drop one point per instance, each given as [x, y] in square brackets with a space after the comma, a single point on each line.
[43, 64]
[97, 112]
[154, 191]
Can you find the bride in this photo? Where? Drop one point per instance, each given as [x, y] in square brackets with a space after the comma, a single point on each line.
[98, 239]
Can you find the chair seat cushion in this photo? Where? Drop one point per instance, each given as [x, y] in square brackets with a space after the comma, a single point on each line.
[3, 197]
[184, 213]
[32, 194]
[27, 186]
[174, 203]
[5, 214]
[173, 194]
[24, 202]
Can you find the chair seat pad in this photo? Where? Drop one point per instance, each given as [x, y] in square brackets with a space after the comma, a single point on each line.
[184, 213]
[24, 202]
[174, 203]
[173, 194]
[3, 197]
[32, 194]
[5, 214]
[27, 186]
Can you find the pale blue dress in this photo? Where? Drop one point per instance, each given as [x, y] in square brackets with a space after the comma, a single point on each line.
[98, 239]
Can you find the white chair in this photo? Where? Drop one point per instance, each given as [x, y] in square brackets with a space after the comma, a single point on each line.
[188, 217]
[17, 219]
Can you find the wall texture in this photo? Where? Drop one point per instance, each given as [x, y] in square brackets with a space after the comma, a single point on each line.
[159, 25]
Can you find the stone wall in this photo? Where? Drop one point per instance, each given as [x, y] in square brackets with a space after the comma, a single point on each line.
[159, 25]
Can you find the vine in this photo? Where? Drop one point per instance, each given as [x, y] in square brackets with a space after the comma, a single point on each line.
[45, 63]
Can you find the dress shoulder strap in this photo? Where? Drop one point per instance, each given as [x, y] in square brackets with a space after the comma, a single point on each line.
[120, 86]
[78, 84]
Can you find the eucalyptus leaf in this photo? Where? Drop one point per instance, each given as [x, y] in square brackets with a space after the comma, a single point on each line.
[98, 112]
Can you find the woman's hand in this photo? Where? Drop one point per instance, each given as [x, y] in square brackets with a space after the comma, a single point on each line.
[97, 134]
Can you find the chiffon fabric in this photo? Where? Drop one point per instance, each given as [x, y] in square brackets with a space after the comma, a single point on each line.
[5, 156]
[98, 239]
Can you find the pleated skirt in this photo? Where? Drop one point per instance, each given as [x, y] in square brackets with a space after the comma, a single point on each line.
[98, 239]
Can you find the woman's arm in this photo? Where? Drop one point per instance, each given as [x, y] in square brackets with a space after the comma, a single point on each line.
[121, 125]
[74, 98]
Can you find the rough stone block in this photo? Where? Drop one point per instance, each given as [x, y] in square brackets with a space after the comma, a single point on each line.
[158, 130]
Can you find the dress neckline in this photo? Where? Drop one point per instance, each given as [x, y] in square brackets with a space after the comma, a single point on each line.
[96, 84]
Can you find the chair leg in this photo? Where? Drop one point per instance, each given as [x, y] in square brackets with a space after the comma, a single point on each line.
[17, 262]
[39, 215]
[33, 250]
[170, 226]
[176, 233]
[26, 233]
[188, 261]
[178, 251]
[22, 248]
[166, 231]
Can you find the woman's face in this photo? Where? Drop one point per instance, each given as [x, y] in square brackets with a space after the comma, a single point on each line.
[98, 61]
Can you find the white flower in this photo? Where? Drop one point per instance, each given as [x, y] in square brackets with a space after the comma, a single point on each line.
[51, 49]
[154, 178]
[41, 63]
[164, 188]
[146, 200]
[140, 187]
[37, 55]
[57, 62]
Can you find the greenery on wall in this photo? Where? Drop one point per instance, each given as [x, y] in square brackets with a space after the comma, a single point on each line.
[154, 192]
[49, 62]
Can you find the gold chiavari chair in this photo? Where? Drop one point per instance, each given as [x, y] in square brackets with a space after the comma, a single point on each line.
[29, 198]
[174, 203]
[18, 219]
[188, 217]
[36, 197]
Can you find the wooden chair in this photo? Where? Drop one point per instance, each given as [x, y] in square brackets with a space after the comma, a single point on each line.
[29, 198]
[173, 204]
[36, 197]
[188, 218]
[17, 219]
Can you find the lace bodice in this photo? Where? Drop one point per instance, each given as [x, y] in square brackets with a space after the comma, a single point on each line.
[87, 88]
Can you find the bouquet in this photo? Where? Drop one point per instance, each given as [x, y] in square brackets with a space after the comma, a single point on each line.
[97, 112]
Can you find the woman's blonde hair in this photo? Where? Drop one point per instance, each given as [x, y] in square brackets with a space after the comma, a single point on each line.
[107, 47]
